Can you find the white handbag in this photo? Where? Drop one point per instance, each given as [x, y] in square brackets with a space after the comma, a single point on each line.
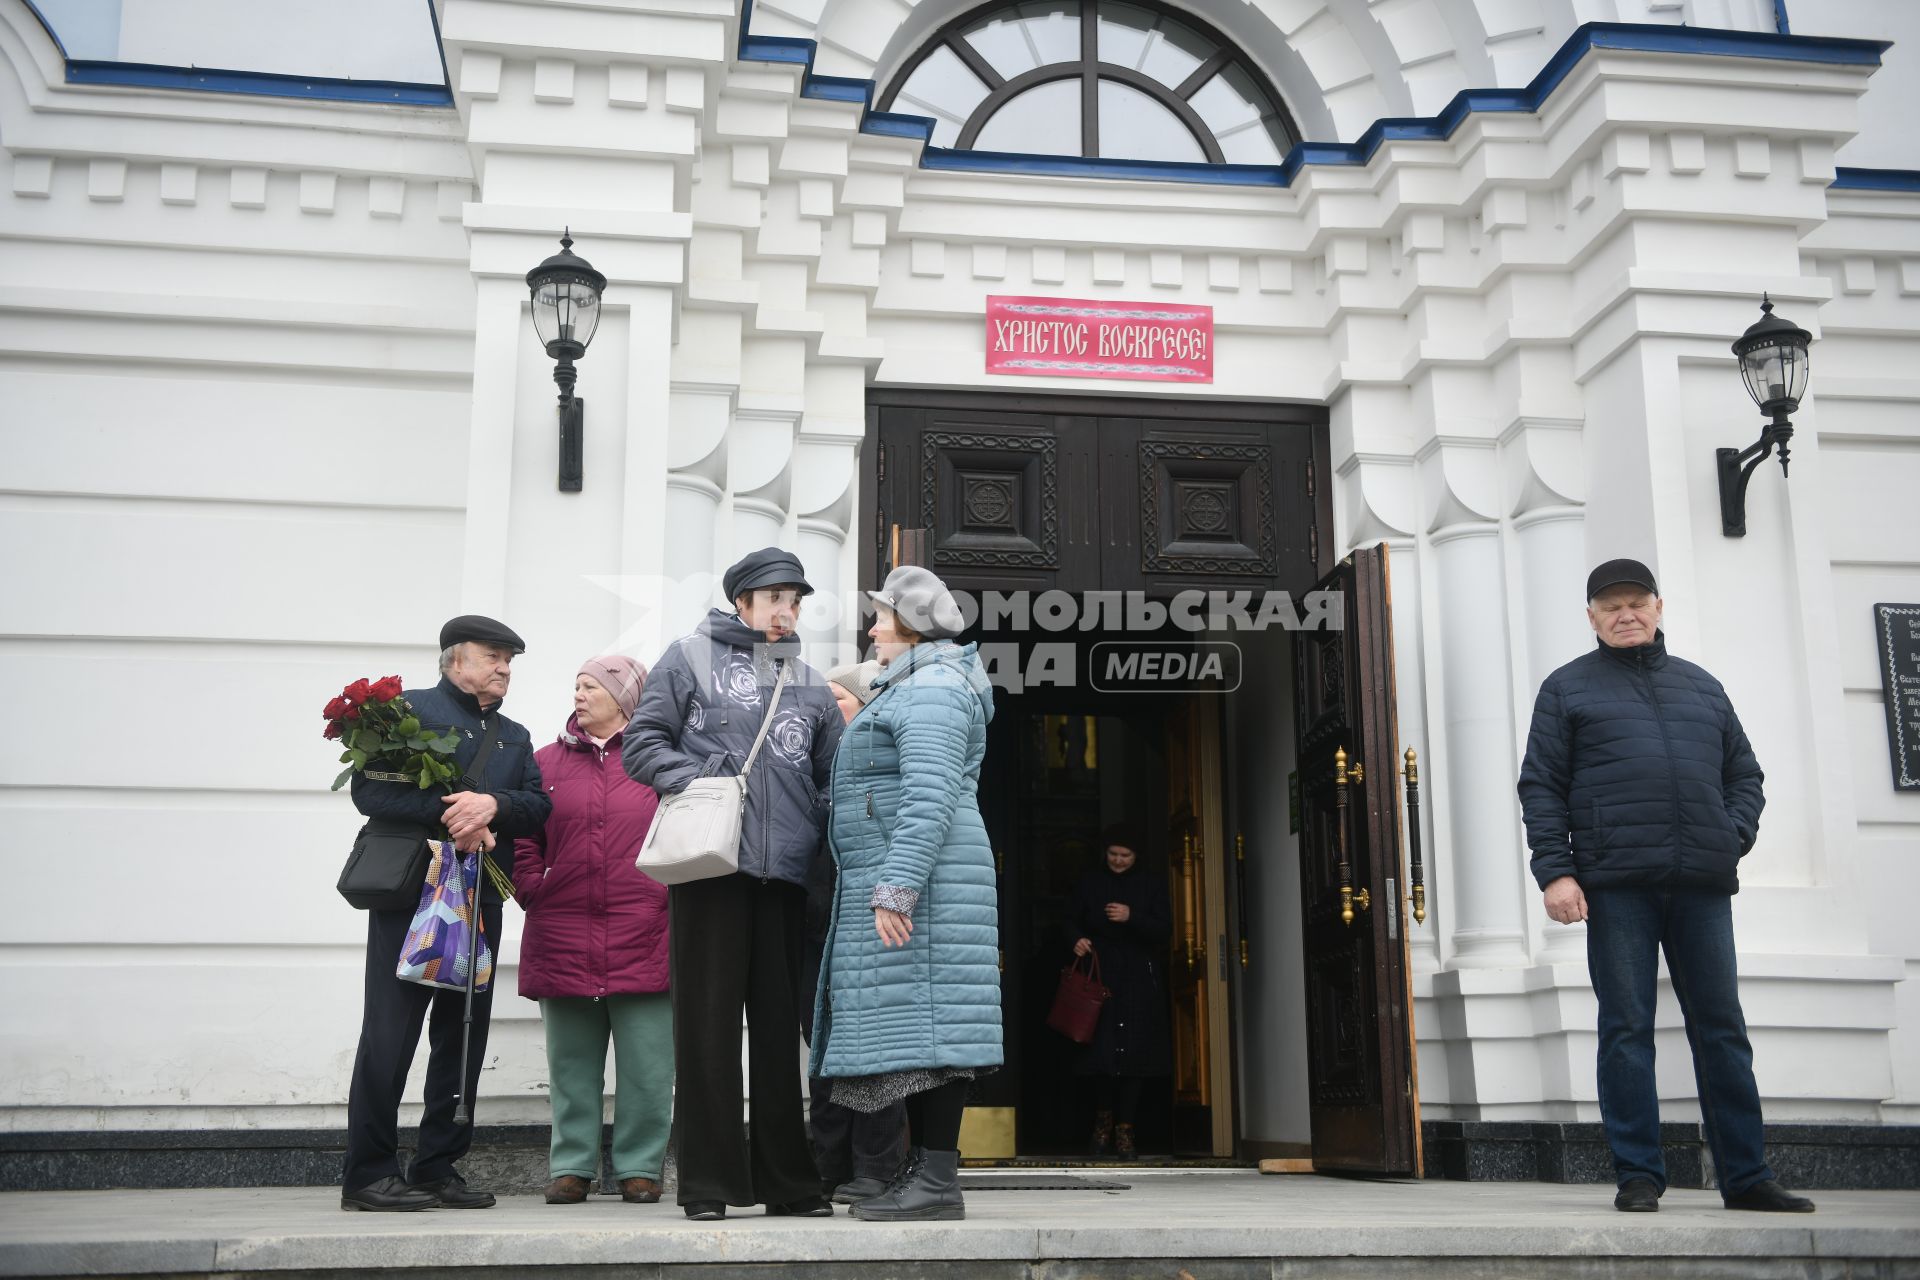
[696, 834]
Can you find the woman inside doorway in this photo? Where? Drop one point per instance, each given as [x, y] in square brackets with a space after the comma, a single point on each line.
[1121, 913]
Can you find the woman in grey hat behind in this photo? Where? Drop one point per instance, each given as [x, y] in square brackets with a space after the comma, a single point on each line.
[908, 1004]
[735, 940]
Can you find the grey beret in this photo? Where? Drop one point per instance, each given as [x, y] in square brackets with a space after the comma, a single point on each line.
[922, 602]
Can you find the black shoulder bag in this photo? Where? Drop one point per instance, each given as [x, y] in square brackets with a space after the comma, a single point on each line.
[389, 859]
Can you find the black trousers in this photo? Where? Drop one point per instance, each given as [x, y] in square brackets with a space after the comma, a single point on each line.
[390, 1022]
[851, 1144]
[736, 941]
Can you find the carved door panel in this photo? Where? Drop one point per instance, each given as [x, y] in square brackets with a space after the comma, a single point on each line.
[1033, 493]
[1365, 1109]
[989, 489]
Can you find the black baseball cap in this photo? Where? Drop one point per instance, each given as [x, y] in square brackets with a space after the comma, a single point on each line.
[1615, 572]
[479, 630]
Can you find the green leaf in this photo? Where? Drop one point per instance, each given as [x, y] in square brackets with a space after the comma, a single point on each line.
[341, 781]
[426, 780]
[365, 740]
[409, 726]
[359, 758]
[418, 742]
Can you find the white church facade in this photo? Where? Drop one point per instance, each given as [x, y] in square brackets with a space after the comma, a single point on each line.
[1466, 275]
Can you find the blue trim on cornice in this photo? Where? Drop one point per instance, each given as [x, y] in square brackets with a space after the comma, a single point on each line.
[1876, 180]
[1620, 36]
[266, 84]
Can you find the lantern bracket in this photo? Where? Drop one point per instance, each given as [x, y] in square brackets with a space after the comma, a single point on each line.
[1736, 467]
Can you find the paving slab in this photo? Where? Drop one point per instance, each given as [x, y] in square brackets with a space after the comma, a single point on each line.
[1205, 1226]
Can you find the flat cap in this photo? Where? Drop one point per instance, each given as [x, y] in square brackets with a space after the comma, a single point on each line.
[767, 567]
[922, 602]
[1615, 572]
[472, 628]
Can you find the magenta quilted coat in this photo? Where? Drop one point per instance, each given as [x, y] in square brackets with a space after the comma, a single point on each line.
[595, 926]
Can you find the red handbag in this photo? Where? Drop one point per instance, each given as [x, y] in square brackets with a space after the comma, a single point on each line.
[1079, 999]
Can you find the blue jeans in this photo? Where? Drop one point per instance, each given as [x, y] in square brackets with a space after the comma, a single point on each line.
[1626, 931]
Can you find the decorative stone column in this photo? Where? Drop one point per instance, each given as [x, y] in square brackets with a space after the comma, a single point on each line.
[1475, 717]
[1544, 484]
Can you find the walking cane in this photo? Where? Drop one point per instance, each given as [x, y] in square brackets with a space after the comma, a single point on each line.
[462, 1113]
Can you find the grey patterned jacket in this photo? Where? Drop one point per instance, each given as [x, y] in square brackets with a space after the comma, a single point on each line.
[698, 715]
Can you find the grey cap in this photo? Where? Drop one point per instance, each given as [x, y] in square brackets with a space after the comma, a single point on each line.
[922, 602]
[857, 678]
[767, 567]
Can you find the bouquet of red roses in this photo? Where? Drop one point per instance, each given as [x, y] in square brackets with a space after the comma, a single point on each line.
[379, 730]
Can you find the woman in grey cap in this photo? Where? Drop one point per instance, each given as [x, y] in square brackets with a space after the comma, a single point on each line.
[908, 1004]
[736, 939]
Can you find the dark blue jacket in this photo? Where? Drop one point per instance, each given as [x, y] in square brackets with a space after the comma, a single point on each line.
[1638, 774]
[512, 777]
[698, 714]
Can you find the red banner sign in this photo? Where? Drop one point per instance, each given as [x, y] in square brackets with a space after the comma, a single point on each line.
[1082, 338]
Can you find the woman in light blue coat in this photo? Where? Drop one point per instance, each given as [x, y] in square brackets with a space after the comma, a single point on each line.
[909, 998]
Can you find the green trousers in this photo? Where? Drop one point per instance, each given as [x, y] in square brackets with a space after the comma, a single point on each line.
[641, 1028]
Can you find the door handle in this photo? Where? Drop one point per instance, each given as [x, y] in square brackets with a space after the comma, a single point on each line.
[1344, 870]
[1240, 889]
[1418, 869]
[1190, 901]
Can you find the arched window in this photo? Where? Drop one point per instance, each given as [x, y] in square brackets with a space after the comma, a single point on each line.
[1095, 78]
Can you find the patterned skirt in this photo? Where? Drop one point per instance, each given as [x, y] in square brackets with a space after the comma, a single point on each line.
[877, 1093]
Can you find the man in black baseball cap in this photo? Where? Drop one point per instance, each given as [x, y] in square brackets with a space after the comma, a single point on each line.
[500, 796]
[1615, 572]
[1641, 796]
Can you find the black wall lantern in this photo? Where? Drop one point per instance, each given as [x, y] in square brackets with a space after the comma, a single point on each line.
[566, 310]
[1773, 363]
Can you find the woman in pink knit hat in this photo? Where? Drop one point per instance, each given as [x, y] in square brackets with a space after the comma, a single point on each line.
[594, 952]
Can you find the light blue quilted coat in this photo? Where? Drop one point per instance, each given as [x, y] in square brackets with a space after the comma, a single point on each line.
[906, 812]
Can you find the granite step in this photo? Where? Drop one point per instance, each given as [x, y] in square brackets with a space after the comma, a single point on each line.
[1168, 1226]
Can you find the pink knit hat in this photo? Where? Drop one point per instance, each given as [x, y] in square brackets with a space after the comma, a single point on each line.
[620, 676]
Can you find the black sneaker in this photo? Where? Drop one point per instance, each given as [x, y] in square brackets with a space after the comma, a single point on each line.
[705, 1210]
[1638, 1196]
[452, 1192]
[1769, 1197]
[389, 1195]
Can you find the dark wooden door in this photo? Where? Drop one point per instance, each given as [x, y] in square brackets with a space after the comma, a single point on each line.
[1359, 1017]
[1041, 493]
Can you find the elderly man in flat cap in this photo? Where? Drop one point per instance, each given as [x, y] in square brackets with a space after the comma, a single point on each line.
[499, 799]
[735, 940]
[1641, 795]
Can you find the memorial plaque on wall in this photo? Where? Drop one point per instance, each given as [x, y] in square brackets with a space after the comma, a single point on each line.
[1899, 636]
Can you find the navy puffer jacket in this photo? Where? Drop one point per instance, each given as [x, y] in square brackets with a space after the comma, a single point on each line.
[512, 775]
[1638, 774]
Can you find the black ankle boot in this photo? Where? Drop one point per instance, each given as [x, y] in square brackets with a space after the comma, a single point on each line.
[929, 1191]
